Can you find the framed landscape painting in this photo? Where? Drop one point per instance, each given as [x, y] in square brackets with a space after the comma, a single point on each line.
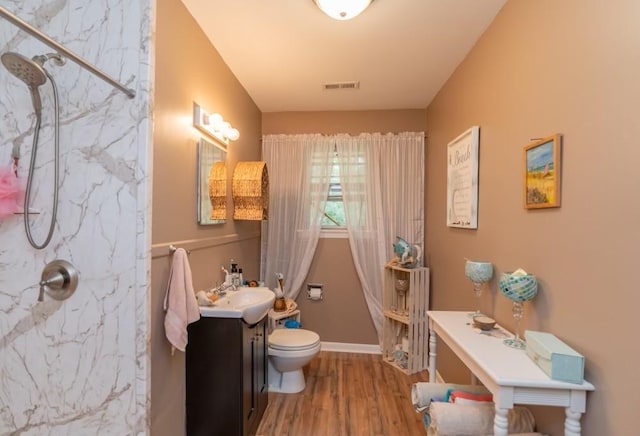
[542, 171]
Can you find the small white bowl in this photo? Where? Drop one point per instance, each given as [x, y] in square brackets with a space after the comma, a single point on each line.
[484, 322]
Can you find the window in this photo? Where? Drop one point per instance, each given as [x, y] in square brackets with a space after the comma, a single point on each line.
[334, 221]
[334, 224]
[334, 211]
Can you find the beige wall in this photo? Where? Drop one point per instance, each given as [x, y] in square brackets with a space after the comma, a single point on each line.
[342, 316]
[188, 68]
[544, 67]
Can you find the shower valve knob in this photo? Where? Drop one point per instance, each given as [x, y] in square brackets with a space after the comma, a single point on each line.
[59, 280]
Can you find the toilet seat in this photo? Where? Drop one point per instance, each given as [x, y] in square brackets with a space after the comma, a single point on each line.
[293, 339]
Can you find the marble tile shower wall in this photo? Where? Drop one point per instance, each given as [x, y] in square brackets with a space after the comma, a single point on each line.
[80, 366]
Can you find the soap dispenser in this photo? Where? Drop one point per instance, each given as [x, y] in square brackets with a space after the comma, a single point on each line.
[235, 275]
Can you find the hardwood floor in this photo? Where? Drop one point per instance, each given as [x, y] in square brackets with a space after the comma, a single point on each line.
[346, 394]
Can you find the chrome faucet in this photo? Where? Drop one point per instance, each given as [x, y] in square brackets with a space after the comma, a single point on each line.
[221, 290]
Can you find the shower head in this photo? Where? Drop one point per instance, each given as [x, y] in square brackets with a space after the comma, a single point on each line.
[29, 72]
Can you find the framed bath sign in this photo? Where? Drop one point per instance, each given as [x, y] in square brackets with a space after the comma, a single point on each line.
[462, 180]
[211, 183]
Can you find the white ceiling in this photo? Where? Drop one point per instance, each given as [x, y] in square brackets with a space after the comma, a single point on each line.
[401, 51]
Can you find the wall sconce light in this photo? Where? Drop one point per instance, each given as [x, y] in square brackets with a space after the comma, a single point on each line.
[343, 9]
[214, 125]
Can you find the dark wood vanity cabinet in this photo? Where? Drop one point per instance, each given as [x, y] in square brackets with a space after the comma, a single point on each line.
[226, 377]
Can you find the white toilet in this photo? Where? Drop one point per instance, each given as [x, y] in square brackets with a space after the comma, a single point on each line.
[289, 351]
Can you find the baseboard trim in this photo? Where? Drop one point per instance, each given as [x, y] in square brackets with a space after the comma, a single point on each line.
[343, 347]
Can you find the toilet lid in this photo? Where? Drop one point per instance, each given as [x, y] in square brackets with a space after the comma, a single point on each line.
[293, 339]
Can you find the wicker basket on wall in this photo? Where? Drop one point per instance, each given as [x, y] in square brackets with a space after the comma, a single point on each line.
[250, 191]
[218, 191]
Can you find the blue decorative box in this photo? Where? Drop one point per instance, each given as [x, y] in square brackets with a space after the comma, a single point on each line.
[558, 360]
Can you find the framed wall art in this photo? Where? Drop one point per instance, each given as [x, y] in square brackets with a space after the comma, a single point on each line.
[462, 180]
[542, 171]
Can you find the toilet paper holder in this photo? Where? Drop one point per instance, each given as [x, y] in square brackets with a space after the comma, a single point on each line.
[314, 291]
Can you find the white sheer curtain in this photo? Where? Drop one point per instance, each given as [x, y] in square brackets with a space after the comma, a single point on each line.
[382, 178]
[299, 174]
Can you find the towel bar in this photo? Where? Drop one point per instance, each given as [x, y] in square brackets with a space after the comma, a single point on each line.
[173, 248]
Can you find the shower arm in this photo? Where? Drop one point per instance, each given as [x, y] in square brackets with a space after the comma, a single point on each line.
[16, 21]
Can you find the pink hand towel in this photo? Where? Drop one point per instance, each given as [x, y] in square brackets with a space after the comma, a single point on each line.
[9, 191]
[180, 302]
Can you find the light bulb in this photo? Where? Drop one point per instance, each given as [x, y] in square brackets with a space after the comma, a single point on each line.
[233, 134]
[343, 9]
[216, 121]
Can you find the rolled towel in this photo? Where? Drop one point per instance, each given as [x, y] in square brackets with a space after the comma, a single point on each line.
[450, 419]
[463, 397]
[523, 434]
[423, 393]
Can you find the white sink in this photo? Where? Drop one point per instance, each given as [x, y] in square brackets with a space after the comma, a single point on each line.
[250, 304]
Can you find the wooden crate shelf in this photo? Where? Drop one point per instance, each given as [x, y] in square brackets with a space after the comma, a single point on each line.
[398, 317]
[405, 317]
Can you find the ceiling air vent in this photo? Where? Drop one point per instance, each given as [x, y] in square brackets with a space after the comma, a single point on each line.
[341, 85]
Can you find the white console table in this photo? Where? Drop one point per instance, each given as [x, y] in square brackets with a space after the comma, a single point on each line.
[509, 374]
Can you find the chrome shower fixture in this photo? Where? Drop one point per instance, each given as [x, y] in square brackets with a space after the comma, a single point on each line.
[56, 58]
[34, 75]
[59, 280]
[31, 72]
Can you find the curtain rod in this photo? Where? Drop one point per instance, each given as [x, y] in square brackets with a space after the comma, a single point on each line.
[333, 134]
[63, 50]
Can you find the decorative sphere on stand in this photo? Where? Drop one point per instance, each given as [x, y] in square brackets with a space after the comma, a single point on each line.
[519, 287]
[479, 273]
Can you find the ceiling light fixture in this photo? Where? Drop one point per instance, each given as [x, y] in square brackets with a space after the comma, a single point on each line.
[342, 9]
[213, 124]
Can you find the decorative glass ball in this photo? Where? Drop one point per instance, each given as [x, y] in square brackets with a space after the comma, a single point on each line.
[478, 272]
[518, 287]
